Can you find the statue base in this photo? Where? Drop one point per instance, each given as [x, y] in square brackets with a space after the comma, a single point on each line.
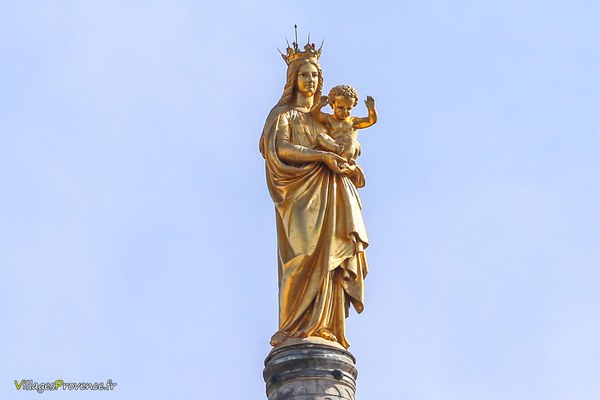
[310, 369]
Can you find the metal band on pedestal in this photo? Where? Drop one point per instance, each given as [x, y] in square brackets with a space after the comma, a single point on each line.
[310, 372]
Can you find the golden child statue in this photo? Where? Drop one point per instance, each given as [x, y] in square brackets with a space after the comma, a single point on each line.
[321, 236]
[342, 127]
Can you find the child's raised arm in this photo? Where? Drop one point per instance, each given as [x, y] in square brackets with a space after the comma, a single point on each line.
[366, 122]
[316, 113]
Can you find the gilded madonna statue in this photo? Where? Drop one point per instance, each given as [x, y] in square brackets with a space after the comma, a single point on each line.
[321, 236]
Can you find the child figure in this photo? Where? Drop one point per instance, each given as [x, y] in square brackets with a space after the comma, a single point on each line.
[342, 127]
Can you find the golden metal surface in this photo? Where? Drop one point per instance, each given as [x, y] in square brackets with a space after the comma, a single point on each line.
[312, 177]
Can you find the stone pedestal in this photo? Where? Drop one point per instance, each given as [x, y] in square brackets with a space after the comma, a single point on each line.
[309, 371]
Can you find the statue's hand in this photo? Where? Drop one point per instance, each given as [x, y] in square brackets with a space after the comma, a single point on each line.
[323, 101]
[352, 165]
[335, 163]
[370, 103]
[339, 149]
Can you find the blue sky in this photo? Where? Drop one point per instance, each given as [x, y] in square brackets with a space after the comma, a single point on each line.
[137, 237]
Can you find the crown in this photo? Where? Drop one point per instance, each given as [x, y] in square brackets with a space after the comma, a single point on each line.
[293, 52]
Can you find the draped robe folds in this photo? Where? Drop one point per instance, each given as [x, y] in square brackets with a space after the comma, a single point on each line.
[321, 235]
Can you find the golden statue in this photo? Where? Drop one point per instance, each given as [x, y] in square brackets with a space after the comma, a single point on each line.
[321, 236]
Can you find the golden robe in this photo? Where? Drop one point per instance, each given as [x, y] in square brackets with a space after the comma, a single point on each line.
[321, 235]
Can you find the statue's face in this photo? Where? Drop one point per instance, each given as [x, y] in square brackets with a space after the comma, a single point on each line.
[308, 79]
[342, 107]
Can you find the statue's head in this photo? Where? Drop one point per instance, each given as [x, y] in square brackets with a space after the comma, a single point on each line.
[304, 74]
[344, 92]
[342, 99]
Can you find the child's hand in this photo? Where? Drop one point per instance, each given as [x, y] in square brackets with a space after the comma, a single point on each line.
[323, 101]
[370, 103]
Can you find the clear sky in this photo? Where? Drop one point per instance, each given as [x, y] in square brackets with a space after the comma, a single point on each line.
[137, 237]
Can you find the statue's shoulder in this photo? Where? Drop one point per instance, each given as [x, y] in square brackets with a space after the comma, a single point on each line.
[297, 118]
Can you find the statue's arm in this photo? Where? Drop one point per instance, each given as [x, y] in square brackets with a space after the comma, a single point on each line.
[290, 152]
[295, 154]
[365, 122]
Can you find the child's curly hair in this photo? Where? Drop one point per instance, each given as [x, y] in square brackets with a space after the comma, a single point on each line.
[343, 91]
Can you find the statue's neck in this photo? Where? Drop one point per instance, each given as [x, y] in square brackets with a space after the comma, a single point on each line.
[303, 101]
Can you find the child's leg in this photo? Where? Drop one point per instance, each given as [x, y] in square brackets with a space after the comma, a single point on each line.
[327, 143]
